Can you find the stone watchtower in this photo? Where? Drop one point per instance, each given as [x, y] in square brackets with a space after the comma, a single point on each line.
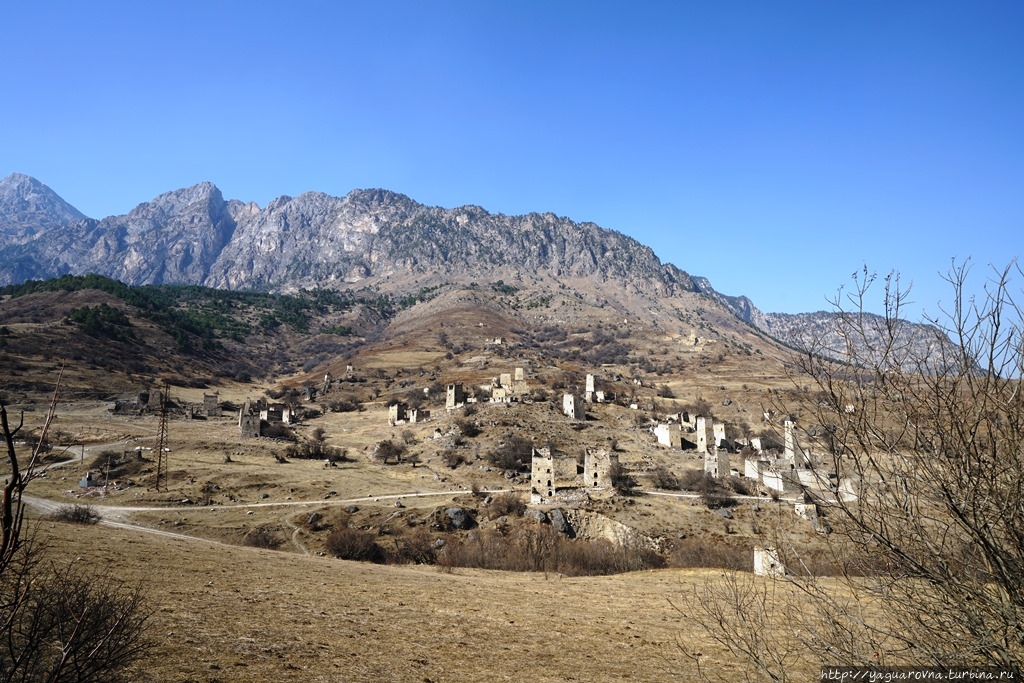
[455, 396]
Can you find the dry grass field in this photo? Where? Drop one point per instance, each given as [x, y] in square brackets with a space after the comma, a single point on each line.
[227, 613]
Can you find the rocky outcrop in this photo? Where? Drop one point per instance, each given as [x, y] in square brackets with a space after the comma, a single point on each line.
[194, 236]
[29, 209]
[174, 238]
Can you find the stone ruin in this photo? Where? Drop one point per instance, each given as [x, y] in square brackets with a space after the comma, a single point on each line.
[143, 402]
[507, 387]
[716, 463]
[572, 407]
[669, 434]
[401, 413]
[794, 469]
[248, 422]
[211, 405]
[254, 414]
[767, 563]
[455, 397]
[551, 474]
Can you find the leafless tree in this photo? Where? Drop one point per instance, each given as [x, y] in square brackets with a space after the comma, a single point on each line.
[58, 624]
[921, 431]
[12, 512]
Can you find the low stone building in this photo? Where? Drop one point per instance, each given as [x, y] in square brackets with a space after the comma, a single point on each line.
[211, 405]
[669, 434]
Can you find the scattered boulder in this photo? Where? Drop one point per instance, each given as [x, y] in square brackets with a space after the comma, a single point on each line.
[314, 519]
[458, 518]
[537, 516]
[724, 512]
[559, 522]
[352, 509]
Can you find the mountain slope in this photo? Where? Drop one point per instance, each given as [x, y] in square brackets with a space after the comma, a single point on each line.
[29, 209]
[552, 267]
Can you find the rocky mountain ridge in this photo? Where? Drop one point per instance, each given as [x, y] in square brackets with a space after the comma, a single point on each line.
[369, 237]
[195, 236]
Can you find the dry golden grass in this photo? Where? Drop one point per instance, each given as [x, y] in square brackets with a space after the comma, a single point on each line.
[225, 613]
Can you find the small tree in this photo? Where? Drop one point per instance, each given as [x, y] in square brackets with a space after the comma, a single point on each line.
[621, 479]
[927, 441]
[512, 453]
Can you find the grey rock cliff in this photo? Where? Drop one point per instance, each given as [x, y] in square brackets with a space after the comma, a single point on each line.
[194, 236]
[29, 209]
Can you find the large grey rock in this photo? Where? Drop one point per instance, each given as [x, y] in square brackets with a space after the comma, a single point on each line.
[458, 518]
[559, 522]
[537, 515]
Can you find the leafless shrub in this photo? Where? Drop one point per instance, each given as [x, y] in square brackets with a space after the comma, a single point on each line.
[388, 451]
[621, 479]
[263, 537]
[467, 428]
[512, 453]
[662, 478]
[508, 504]
[67, 624]
[349, 543]
[452, 458]
[927, 424]
[710, 554]
[739, 485]
[76, 514]
[58, 623]
[539, 548]
[417, 547]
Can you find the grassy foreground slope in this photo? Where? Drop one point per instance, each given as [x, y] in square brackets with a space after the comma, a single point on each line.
[229, 613]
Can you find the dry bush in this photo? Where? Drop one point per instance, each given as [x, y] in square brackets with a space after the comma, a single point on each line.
[263, 537]
[713, 492]
[622, 481]
[710, 554]
[67, 624]
[388, 451]
[276, 430]
[349, 543]
[417, 547]
[508, 504]
[512, 453]
[695, 480]
[540, 548]
[926, 423]
[76, 514]
[467, 428]
[662, 478]
[58, 623]
[452, 458]
[739, 485]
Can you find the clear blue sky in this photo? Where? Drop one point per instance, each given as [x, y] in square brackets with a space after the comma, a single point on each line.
[774, 147]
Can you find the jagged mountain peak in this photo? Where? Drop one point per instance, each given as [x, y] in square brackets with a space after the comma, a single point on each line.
[28, 208]
[181, 200]
[376, 196]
